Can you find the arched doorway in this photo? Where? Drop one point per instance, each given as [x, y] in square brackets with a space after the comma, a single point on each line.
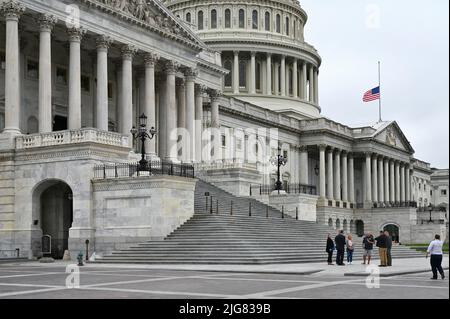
[359, 228]
[53, 209]
[394, 232]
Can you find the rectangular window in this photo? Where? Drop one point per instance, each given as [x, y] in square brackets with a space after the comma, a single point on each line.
[32, 69]
[86, 83]
[224, 141]
[61, 76]
[443, 192]
[110, 90]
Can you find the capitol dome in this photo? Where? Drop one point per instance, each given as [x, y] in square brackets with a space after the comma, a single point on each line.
[263, 46]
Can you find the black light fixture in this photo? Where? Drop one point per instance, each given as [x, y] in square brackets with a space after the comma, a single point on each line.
[430, 209]
[279, 161]
[143, 134]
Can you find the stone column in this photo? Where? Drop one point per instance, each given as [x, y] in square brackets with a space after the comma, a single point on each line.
[190, 75]
[304, 165]
[181, 117]
[103, 43]
[128, 52]
[397, 181]
[344, 176]
[316, 85]
[368, 178]
[46, 23]
[119, 76]
[269, 74]
[380, 179]
[322, 172]
[276, 84]
[12, 11]
[200, 91]
[304, 82]
[351, 177]
[253, 72]
[387, 194]
[215, 124]
[311, 84]
[408, 182]
[392, 181]
[162, 115]
[330, 180]
[236, 72]
[287, 79]
[295, 79]
[337, 175]
[375, 179]
[283, 75]
[402, 183]
[75, 36]
[171, 111]
[150, 100]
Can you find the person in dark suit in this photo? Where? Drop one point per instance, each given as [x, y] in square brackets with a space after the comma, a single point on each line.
[340, 247]
[330, 249]
[388, 249]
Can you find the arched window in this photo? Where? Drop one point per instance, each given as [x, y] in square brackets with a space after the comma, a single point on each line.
[255, 19]
[241, 18]
[291, 78]
[243, 74]
[200, 20]
[213, 19]
[228, 78]
[295, 29]
[188, 17]
[227, 18]
[278, 24]
[267, 21]
[287, 26]
[258, 76]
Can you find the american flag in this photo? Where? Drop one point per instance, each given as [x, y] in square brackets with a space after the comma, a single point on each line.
[372, 95]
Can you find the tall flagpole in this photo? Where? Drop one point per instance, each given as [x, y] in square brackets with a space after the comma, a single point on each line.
[379, 85]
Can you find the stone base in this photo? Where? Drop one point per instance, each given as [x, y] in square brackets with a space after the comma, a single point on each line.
[304, 204]
[278, 193]
[46, 260]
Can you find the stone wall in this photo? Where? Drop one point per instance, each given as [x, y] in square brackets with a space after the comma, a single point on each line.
[306, 205]
[132, 210]
[424, 233]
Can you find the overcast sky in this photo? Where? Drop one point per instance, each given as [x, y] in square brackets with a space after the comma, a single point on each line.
[410, 38]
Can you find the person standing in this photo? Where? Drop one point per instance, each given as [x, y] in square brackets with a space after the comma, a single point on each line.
[388, 249]
[330, 249]
[340, 247]
[350, 249]
[368, 242]
[435, 250]
[382, 250]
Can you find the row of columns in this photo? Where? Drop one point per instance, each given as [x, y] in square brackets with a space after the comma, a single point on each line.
[190, 104]
[303, 73]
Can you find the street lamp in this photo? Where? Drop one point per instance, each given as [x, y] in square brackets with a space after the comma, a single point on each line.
[279, 161]
[430, 209]
[142, 133]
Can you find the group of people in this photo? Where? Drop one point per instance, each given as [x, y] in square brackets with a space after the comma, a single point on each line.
[342, 244]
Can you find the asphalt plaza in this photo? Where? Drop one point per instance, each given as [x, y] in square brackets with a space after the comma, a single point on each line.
[27, 281]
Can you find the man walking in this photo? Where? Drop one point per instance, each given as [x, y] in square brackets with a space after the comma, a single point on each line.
[330, 249]
[382, 248]
[388, 249]
[435, 250]
[340, 247]
[368, 242]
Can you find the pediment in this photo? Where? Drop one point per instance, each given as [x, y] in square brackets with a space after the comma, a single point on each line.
[393, 136]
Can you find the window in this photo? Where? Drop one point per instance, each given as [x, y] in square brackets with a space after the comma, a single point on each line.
[32, 69]
[255, 20]
[188, 17]
[258, 76]
[110, 90]
[295, 29]
[243, 74]
[2, 60]
[85, 83]
[285, 154]
[227, 18]
[287, 26]
[278, 24]
[228, 78]
[214, 19]
[290, 83]
[224, 141]
[200, 20]
[241, 18]
[267, 21]
[61, 76]
[443, 192]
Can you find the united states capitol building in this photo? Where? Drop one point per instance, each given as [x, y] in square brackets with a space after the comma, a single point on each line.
[228, 86]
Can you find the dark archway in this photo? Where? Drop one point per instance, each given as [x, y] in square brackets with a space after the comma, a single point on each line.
[359, 228]
[394, 232]
[53, 200]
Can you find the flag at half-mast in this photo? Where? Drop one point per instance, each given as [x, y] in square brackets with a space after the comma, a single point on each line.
[372, 95]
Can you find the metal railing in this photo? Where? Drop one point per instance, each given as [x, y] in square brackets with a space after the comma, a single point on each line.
[290, 189]
[9, 253]
[118, 170]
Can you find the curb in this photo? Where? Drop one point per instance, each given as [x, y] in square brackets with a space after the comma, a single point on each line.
[391, 274]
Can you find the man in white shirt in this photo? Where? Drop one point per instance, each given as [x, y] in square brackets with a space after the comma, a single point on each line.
[435, 250]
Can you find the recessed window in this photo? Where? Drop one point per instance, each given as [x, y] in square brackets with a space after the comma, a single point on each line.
[258, 76]
[200, 20]
[267, 21]
[443, 192]
[295, 29]
[255, 20]
[241, 18]
[110, 90]
[61, 76]
[227, 18]
[224, 141]
[287, 26]
[188, 17]
[228, 77]
[214, 19]
[32, 69]
[278, 24]
[243, 74]
[86, 83]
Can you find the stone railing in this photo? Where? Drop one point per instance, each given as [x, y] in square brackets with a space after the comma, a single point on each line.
[224, 165]
[324, 123]
[71, 137]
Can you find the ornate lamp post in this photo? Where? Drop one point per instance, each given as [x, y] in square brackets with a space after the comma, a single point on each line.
[278, 161]
[142, 133]
[430, 209]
